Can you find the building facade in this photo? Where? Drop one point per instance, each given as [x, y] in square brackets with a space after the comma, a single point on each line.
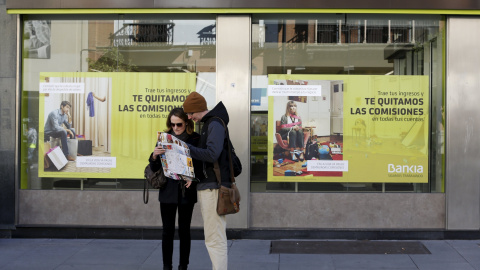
[382, 95]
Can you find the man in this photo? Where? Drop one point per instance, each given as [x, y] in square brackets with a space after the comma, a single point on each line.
[53, 127]
[212, 147]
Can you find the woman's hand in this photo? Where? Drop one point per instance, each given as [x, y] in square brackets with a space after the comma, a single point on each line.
[188, 183]
[158, 151]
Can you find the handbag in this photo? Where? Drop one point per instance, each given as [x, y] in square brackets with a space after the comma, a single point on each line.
[154, 179]
[228, 198]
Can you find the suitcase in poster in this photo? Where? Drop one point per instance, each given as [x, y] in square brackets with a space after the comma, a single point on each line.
[84, 147]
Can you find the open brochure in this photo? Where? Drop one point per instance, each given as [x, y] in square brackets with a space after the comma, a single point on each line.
[176, 162]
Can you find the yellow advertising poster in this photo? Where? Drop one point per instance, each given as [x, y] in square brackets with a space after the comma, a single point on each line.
[348, 128]
[104, 125]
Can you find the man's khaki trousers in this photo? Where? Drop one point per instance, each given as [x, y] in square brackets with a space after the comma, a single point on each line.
[214, 227]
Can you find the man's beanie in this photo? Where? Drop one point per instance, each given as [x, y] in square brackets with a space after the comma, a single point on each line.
[194, 103]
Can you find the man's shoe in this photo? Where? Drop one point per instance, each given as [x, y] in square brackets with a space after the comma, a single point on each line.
[70, 158]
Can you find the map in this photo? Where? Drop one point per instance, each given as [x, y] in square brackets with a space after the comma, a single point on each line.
[177, 162]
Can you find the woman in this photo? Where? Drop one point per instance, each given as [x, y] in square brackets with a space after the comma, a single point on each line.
[177, 194]
[291, 130]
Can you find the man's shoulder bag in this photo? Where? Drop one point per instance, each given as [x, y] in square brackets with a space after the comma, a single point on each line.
[228, 198]
[154, 179]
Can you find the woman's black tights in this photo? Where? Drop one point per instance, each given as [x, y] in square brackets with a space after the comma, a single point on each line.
[168, 212]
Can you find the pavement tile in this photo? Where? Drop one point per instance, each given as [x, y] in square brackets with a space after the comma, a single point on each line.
[11, 254]
[32, 263]
[274, 258]
[155, 256]
[18, 242]
[399, 267]
[445, 266]
[104, 267]
[9, 250]
[114, 252]
[45, 255]
[438, 246]
[469, 250]
[199, 258]
[306, 261]
[475, 265]
[106, 254]
[250, 247]
[472, 257]
[451, 257]
[251, 265]
[251, 251]
[382, 261]
[464, 244]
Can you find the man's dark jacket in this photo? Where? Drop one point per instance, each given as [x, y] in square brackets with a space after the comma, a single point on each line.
[213, 147]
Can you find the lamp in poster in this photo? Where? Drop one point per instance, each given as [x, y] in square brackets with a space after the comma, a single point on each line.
[104, 125]
[348, 128]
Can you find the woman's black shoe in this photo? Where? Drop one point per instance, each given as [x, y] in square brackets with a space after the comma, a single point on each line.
[300, 156]
[182, 267]
[294, 156]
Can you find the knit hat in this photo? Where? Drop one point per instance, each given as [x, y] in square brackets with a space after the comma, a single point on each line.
[194, 103]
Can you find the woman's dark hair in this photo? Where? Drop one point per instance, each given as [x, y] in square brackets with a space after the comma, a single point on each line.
[178, 112]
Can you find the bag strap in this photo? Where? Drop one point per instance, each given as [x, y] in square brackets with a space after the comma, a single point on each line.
[216, 167]
[145, 191]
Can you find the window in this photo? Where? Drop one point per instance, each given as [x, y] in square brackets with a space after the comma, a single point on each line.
[337, 53]
[75, 58]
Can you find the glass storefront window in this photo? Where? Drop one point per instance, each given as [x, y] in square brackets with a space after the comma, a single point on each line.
[371, 136]
[115, 71]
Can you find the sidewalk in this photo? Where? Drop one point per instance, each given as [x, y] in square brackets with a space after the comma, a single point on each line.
[101, 254]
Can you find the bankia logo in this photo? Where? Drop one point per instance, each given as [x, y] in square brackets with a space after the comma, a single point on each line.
[408, 169]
